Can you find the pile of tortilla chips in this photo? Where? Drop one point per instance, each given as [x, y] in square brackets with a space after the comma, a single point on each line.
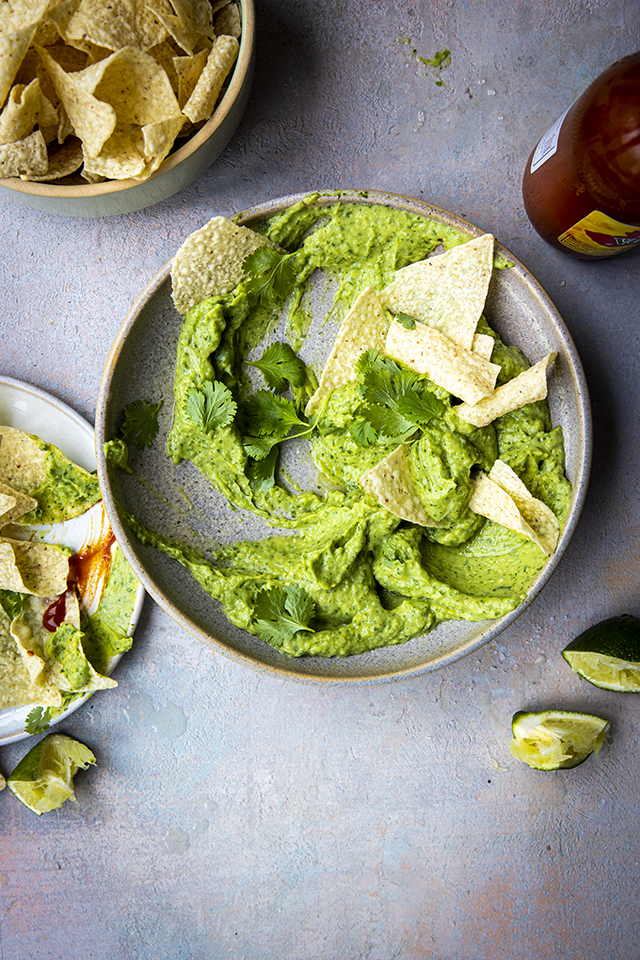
[40, 664]
[103, 89]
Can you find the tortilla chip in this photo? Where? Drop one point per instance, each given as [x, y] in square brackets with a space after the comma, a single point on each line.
[228, 22]
[195, 16]
[18, 24]
[209, 262]
[489, 500]
[13, 504]
[64, 159]
[187, 40]
[23, 461]
[118, 158]
[446, 292]
[364, 328]
[93, 120]
[483, 345]
[200, 104]
[20, 113]
[114, 25]
[188, 71]
[390, 483]
[427, 351]
[157, 140]
[25, 157]
[527, 387]
[27, 566]
[537, 514]
[135, 86]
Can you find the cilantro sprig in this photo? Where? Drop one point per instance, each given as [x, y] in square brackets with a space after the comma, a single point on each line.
[397, 404]
[271, 275]
[140, 425]
[38, 721]
[278, 364]
[12, 603]
[281, 612]
[211, 406]
[270, 420]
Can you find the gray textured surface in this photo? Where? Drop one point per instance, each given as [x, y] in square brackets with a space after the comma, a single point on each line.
[236, 816]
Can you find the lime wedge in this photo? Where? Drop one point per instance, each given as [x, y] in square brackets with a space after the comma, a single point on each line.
[556, 739]
[43, 780]
[608, 654]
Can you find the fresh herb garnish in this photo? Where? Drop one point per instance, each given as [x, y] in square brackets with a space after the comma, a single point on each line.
[280, 363]
[272, 275]
[280, 612]
[12, 603]
[211, 406]
[406, 320]
[270, 420]
[38, 721]
[397, 403]
[140, 424]
[262, 471]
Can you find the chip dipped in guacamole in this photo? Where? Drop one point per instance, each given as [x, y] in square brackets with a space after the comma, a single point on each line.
[67, 594]
[416, 514]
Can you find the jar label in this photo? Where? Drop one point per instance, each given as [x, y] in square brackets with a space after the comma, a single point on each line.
[548, 144]
[600, 235]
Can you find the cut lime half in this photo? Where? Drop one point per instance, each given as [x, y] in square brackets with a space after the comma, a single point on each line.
[556, 739]
[608, 654]
[43, 780]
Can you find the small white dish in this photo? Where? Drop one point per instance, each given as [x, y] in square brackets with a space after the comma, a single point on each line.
[34, 411]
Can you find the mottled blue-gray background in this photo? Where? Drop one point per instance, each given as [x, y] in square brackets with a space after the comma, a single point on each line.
[237, 817]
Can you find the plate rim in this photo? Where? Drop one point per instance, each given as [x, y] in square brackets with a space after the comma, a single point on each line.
[63, 409]
[580, 483]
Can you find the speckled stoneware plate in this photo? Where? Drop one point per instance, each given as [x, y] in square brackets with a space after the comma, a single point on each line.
[34, 411]
[178, 501]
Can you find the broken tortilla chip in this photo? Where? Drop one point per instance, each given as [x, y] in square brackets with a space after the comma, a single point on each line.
[13, 504]
[209, 262]
[446, 292]
[364, 328]
[483, 345]
[390, 483]
[538, 515]
[24, 158]
[463, 373]
[527, 387]
[488, 499]
[27, 566]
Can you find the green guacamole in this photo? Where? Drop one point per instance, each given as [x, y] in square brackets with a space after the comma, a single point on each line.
[374, 580]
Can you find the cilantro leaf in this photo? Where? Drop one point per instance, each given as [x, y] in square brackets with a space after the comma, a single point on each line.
[140, 424]
[420, 408]
[271, 274]
[258, 448]
[211, 406]
[406, 320]
[262, 471]
[390, 425]
[363, 433]
[38, 721]
[12, 603]
[268, 415]
[280, 363]
[281, 612]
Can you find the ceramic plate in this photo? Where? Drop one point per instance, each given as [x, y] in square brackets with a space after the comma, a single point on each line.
[37, 412]
[177, 499]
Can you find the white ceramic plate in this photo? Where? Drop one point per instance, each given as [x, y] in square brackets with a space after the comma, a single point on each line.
[34, 411]
[178, 501]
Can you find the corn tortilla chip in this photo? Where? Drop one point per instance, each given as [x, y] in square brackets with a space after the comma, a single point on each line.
[118, 158]
[527, 387]
[223, 55]
[93, 120]
[135, 86]
[25, 157]
[489, 500]
[446, 292]
[20, 113]
[188, 71]
[483, 345]
[114, 25]
[18, 24]
[537, 514]
[13, 504]
[228, 21]
[27, 566]
[364, 328]
[427, 351]
[195, 16]
[210, 261]
[64, 159]
[390, 483]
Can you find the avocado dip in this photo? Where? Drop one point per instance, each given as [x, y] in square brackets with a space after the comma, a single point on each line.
[341, 574]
